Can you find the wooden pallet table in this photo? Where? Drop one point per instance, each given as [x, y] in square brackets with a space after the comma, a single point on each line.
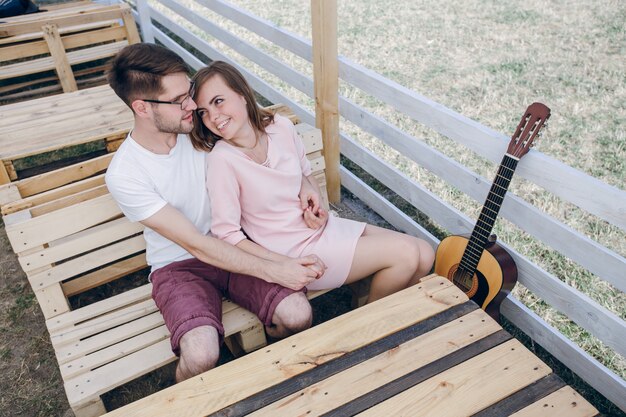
[426, 350]
[61, 121]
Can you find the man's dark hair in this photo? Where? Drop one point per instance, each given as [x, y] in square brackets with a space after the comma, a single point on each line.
[136, 71]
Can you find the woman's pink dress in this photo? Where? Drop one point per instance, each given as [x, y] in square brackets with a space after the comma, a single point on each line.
[262, 199]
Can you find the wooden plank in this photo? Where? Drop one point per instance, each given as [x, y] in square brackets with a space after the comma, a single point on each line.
[69, 354]
[59, 325]
[87, 262]
[311, 137]
[571, 355]
[104, 275]
[86, 364]
[69, 200]
[4, 175]
[8, 194]
[55, 225]
[38, 35]
[406, 381]
[52, 301]
[597, 259]
[579, 307]
[130, 26]
[59, 57]
[78, 243]
[527, 395]
[268, 30]
[494, 374]
[264, 368]
[74, 57]
[326, 80]
[70, 19]
[321, 395]
[105, 322]
[84, 387]
[53, 195]
[563, 403]
[60, 177]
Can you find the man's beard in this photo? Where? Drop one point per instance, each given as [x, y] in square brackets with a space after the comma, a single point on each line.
[165, 126]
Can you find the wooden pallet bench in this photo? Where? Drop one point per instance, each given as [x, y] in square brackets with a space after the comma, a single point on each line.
[423, 351]
[71, 237]
[58, 40]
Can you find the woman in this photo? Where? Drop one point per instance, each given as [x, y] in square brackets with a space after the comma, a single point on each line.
[256, 168]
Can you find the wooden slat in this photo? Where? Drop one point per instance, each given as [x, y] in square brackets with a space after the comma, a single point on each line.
[59, 58]
[264, 368]
[82, 389]
[69, 353]
[454, 392]
[105, 322]
[109, 354]
[71, 19]
[58, 325]
[52, 195]
[104, 275]
[87, 262]
[571, 355]
[55, 225]
[563, 403]
[317, 398]
[78, 243]
[74, 57]
[520, 399]
[62, 176]
[69, 200]
[52, 301]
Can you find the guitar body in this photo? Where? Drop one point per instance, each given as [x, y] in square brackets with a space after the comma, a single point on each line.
[495, 276]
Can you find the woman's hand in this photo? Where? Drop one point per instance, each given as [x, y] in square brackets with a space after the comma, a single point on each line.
[315, 217]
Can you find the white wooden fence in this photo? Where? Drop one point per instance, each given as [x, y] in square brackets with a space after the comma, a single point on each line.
[602, 200]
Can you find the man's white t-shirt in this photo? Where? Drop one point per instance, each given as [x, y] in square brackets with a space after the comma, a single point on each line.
[143, 182]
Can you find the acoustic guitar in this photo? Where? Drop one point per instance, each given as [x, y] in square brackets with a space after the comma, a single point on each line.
[477, 264]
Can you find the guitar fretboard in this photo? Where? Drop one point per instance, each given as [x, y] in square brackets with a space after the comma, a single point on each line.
[488, 215]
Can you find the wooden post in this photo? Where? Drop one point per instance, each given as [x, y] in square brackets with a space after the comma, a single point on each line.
[326, 80]
[62, 65]
[144, 21]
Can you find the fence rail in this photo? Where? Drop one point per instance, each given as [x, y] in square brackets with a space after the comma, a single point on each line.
[597, 198]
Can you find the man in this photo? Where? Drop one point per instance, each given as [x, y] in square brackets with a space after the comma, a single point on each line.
[158, 179]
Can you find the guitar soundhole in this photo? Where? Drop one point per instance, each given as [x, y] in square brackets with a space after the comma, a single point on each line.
[467, 282]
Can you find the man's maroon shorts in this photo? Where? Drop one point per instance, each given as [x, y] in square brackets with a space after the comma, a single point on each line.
[189, 294]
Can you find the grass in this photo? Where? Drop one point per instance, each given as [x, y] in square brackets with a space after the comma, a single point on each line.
[488, 60]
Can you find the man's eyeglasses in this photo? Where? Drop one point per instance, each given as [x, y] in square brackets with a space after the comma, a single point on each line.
[183, 103]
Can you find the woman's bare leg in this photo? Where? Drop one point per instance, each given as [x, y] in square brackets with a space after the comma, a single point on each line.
[397, 260]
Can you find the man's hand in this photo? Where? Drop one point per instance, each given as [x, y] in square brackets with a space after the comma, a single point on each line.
[298, 272]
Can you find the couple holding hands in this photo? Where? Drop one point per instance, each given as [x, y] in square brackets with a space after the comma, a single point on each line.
[225, 191]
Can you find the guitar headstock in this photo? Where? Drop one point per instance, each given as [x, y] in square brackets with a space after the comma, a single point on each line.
[532, 121]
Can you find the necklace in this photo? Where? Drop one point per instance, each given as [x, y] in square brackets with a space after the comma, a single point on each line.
[260, 157]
